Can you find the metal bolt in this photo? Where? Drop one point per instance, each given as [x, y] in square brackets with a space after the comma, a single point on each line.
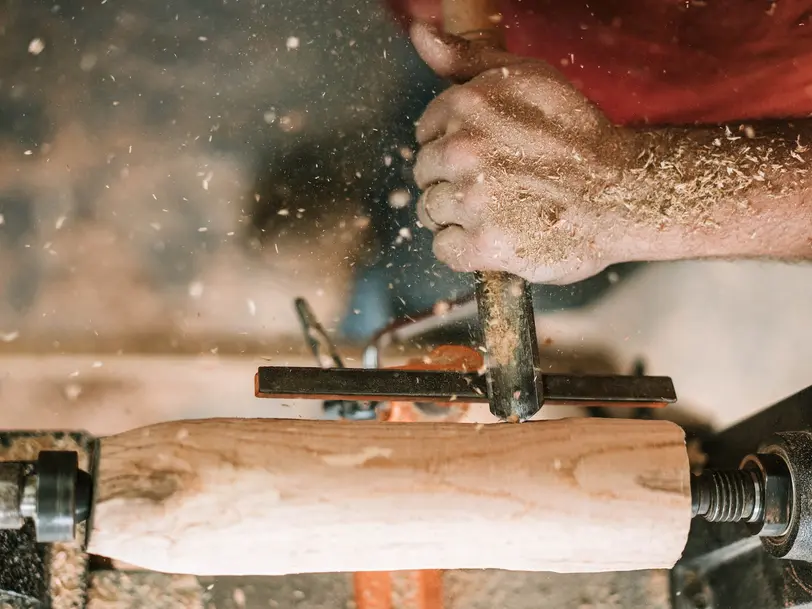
[759, 493]
[727, 496]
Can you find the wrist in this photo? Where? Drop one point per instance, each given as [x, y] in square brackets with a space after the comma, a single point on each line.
[752, 228]
[636, 224]
[707, 193]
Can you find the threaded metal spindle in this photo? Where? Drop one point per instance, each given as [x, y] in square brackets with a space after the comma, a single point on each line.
[728, 496]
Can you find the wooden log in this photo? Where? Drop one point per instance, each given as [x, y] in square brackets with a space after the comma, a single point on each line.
[472, 19]
[271, 497]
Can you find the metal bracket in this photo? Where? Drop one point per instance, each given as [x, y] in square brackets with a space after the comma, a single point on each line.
[724, 564]
[36, 575]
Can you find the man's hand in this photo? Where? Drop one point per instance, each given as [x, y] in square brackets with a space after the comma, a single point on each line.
[511, 164]
[521, 173]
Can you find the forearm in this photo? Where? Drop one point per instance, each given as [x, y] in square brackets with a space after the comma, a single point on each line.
[717, 192]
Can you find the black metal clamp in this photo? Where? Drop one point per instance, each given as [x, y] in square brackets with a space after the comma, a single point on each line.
[46, 492]
[52, 491]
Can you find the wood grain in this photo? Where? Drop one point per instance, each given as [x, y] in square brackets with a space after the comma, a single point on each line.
[268, 497]
[472, 18]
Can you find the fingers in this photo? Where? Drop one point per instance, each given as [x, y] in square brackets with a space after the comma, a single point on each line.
[453, 57]
[491, 106]
[536, 164]
[453, 246]
[445, 204]
[452, 158]
[437, 118]
[467, 251]
[448, 112]
[504, 159]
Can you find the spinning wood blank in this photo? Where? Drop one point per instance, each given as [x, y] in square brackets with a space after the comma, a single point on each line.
[267, 497]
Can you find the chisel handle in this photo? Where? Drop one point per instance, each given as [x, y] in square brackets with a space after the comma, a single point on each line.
[504, 301]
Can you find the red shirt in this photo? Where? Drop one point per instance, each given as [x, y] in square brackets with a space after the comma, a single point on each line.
[668, 61]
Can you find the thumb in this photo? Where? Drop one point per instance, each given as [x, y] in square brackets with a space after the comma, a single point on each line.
[453, 57]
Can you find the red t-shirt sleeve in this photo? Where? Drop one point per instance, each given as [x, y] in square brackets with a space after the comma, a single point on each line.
[666, 61]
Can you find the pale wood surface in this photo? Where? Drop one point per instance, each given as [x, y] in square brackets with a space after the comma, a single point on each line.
[734, 337]
[463, 17]
[109, 393]
[265, 497]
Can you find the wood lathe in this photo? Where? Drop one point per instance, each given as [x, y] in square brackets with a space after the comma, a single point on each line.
[272, 497]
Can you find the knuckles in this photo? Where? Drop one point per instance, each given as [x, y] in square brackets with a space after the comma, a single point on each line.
[449, 250]
[457, 154]
[571, 133]
[466, 99]
[473, 201]
[461, 153]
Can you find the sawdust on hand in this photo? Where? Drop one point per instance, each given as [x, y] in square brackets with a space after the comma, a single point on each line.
[682, 182]
[691, 177]
[549, 189]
